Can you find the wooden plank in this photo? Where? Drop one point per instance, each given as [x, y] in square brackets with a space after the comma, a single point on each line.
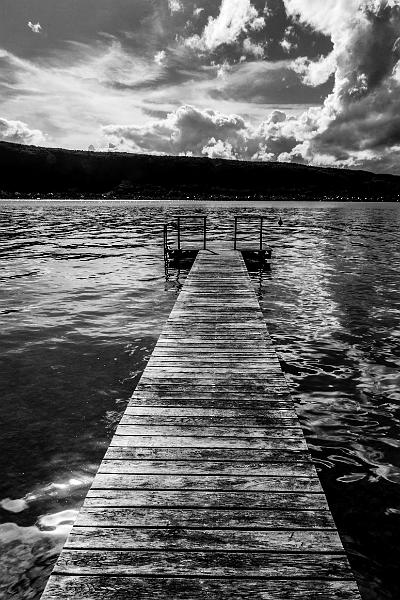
[211, 564]
[122, 497]
[193, 453]
[289, 420]
[249, 415]
[232, 443]
[221, 383]
[254, 373]
[134, 538]
[120, 588]
[289, 454]
[214, 360]
[292, 432]
[151, 481]
[185, 467]
[205, 518]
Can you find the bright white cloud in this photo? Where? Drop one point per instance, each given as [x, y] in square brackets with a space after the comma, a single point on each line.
[35, 27]
[20, 133]
[175, 6]
[315, 72]
[235, 18]
[160, 57]
[288, 43]
[189, 130]
[359, 123]
[252, 49]
[186, 130]
[223, 70]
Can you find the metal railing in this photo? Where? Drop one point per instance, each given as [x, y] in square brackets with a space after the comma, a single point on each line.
[249, 217]
[176, 225]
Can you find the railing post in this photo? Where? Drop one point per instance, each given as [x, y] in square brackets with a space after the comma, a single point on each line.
[261, 232]
[205, 232]
[234, 240]
[179, 233]
[165, 239]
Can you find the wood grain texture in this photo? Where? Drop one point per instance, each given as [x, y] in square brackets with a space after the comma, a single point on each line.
[121, 496]
[223, 468]
[214, 442]
[205, 518]
[121, 588]
[211, 564]
[207, 490]
[207, 540]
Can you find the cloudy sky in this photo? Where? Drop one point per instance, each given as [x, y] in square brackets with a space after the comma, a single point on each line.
[311, 81]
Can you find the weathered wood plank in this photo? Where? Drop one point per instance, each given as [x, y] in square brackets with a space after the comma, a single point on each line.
[191, 453]
[292, 432]
[252, 372]
[133, 538]
[210, 400]
[217, 363]
[220, 383]
[205, 518]
[120, 497]
[186, 467]
[120, 588]
[211, 564]
[162, 441]
[289, 420]
[213, 413]
[263, 396]
[151, 481]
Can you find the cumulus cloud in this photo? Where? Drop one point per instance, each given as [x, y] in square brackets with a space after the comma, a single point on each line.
[160, 57]
[35, 27]
[175, 6]
[236, 17]
[253, 49]
[315, 72]
[20, 133]
[359, 123]
[192, 131]
[186, 130]
[288, 43]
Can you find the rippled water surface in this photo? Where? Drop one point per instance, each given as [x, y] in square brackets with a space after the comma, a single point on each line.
[83, 297]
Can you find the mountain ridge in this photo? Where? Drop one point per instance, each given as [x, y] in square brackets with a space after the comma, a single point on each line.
[31, 171]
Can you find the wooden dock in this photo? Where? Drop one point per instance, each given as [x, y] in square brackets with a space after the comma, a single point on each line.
[207, 491]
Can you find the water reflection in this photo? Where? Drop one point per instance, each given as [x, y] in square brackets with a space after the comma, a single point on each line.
[82, 302]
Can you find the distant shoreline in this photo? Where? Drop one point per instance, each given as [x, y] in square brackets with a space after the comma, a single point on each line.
[209, 202]
[30, 172]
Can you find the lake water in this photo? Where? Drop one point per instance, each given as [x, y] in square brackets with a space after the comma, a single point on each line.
[83, 298]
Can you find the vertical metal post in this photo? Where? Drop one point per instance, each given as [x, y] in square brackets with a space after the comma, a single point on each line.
[261, 232]
[166, 264]
[205, 232]
[234, 240]
[179, 233]
[165, 239]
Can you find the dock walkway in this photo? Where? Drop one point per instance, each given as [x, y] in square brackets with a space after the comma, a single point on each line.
[207, 491]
